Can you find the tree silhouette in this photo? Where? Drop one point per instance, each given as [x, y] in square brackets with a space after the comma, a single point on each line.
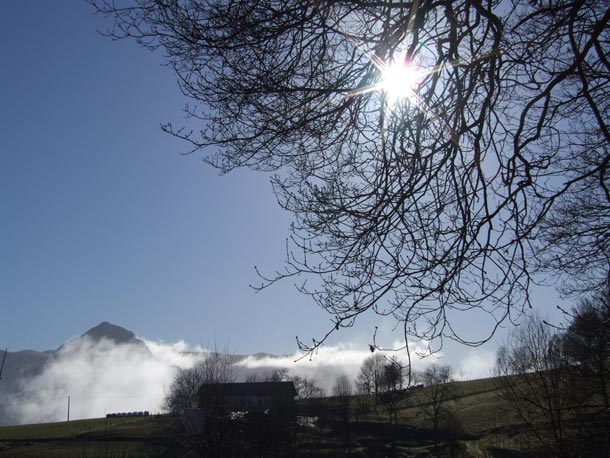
[370, 377]
[586, 343]
[446, 193]
[439, 391]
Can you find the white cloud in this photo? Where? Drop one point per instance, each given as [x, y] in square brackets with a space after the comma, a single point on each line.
[477, 364]
[331, 361]
[178, 354]
[100, 377]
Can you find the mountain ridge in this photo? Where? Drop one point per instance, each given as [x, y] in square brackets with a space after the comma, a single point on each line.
[27, 363]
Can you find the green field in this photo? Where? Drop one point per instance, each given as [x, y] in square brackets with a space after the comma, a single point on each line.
[95, 438]
[482, 423]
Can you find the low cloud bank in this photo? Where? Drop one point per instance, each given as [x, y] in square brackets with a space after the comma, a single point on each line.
[331, 361]
[104, 377]
[100, 377]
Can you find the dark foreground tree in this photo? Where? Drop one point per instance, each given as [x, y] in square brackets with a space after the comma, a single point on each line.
[184, 389]
[370, 377]
[213, 368]
[392, 388]
[435, 154]
[437, 394]
[554, 389]
[342, 391]
[393, 375]
[536, 384]
[586, 344]
[201, 416]
[307, 389]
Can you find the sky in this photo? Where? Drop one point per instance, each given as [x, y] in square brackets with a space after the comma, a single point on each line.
[102, 218]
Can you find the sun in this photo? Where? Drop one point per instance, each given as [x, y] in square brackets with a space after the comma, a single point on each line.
[400, 79]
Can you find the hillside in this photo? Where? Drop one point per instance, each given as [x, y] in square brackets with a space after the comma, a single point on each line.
[116, 437]
[481, 429]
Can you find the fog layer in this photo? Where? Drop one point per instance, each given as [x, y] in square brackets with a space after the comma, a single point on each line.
[103, 377]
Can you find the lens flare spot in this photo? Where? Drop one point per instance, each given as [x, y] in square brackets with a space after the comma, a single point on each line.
[400, 80]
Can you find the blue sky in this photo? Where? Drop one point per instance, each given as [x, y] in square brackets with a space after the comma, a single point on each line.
[103, 219]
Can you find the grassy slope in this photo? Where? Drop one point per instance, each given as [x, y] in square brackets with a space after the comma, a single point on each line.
[95, 438]
[483, 419]
[481, 414]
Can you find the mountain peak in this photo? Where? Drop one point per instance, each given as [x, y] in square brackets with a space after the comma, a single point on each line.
[110, 331]
[113, 333]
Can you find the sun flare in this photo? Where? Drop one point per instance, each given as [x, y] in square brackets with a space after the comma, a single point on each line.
[400, 79]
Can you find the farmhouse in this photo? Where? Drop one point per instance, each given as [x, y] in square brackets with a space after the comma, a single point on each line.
[275, 398]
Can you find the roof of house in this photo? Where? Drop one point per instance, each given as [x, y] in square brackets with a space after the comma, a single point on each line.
[253, 388]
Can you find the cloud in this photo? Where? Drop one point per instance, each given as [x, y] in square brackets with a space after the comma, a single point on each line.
[100, 377]
[331, 361]
[477, 364]
[178, 354]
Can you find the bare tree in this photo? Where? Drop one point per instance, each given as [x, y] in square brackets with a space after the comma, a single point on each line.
[278, 375]
[183, 391]
[392, 384]
[218, 367]
[393, 376]
[383, 377]
[557, 57]
[252, 378]
[197, 395]
[537, 385]
[438, 392]
[370, 376]
[214, 368]
[307, 388]
[342, 390]
[342, 387]
[363, 401]
[449, 191]
[586, 344]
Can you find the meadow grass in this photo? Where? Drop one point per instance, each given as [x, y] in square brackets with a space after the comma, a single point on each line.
[64, 429]
[93, 438]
